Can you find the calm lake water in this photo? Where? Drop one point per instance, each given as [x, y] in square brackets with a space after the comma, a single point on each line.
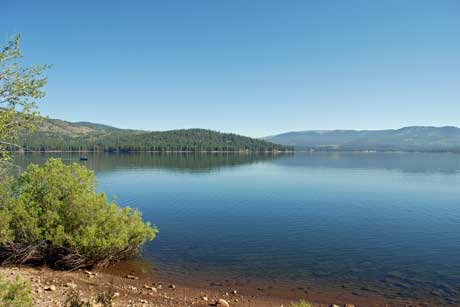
[377, 222]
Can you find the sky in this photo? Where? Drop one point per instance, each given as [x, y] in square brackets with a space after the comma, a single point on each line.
[256, 68]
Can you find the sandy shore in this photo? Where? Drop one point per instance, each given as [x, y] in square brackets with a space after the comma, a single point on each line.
[50, 288]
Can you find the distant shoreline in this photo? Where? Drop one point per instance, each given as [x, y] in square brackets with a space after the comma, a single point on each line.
[241, 151]
[160, 151]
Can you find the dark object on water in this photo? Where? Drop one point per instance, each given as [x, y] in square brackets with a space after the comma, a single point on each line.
[83, 159]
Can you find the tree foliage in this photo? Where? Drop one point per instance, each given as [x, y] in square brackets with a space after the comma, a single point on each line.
[20, 87]
[53, 214]
[56, 136]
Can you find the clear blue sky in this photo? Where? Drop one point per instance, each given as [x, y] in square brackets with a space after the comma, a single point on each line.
[253, 67]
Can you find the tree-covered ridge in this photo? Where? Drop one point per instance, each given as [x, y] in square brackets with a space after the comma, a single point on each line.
[58, 135]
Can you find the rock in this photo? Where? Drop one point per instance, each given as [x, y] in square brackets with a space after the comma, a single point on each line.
[204, 298]
[71, 285]
[222, 303]
[116, 294]
[132, 277]
[334, 305]
[234, 292]
[150, 288]
[90, 273]
[50, 288]
[172, 287]
[349, 305]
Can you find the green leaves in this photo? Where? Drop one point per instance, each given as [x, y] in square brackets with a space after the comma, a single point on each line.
[15, 293]
[57, 203]
[20, 87]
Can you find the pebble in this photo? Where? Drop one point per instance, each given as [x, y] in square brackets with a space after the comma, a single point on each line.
[50, 288]
[90, 273]
[150, 288]
[222, 303]
[71, 285]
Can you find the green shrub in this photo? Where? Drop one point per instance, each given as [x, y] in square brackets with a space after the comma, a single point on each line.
[105, 299]
[5, 232]
[53, 213]
[15, 293]
[301, 303]
[74, 300]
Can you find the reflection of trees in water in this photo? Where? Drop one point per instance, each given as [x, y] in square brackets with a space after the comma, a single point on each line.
[172, 161]
[405, 162]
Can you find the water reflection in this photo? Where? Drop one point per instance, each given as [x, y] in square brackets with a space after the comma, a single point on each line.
[190, 163]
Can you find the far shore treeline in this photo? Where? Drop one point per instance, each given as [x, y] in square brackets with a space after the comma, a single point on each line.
[58, 135]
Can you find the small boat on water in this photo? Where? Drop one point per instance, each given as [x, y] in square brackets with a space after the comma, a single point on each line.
[83, 159]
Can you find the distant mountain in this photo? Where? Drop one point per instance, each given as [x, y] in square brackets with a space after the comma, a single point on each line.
[416, 138]
[59, 135]
[94, 125]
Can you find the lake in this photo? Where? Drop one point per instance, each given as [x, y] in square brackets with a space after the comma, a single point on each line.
[362, 224]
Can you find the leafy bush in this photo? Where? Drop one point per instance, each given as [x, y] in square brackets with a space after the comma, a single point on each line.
[15, 293]
[103, 299]
[301, 303]
[53, 214]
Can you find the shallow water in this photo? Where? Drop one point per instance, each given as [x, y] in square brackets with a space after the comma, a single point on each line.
[386, 223]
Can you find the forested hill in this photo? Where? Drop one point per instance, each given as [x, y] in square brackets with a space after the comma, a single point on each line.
[58, 135]
[415, 138]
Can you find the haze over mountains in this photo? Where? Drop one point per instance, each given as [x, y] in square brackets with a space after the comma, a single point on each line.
[416, 138]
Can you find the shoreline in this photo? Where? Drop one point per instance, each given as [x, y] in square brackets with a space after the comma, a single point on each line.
[50, 288]
[136, 287]
[241, 152]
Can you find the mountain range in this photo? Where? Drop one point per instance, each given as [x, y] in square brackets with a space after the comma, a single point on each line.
[59, 135]
[415, 138]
